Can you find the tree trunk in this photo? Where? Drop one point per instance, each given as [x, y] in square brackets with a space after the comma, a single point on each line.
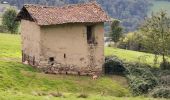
[164, 60]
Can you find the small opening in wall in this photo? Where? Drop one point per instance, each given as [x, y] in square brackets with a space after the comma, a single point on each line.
[51, 59]
[78, 73]
[64, 55]
[90, 35]
[33, 61]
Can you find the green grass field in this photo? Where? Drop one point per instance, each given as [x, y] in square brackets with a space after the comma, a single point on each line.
[132, 56]
[22, 82]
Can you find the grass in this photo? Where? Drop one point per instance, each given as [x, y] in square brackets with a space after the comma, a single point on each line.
[18, 81]
[16, 77]
[158, 6]
[10, 46]
[132, 56]
[67, 96]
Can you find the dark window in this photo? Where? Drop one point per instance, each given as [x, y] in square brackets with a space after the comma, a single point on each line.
[64, 55]
[90, 35]
[51, 59]
[33, 61]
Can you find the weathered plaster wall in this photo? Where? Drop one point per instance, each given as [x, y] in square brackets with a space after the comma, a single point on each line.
[30, 34]
[72, 54]
[67, 44]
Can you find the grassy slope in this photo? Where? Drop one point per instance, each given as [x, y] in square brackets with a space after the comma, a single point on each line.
[15, 76]
[132, 56]
[23, 82]
[158, 6]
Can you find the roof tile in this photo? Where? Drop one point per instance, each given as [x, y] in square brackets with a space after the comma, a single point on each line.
[78, 13]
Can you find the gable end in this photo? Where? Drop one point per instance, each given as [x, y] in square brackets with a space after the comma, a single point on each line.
[24, 14]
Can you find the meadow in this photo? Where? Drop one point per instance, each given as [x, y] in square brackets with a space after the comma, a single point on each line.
[22, 82]
[133, 56]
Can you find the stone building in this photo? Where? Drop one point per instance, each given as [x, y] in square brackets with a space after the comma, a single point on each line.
[64, 40]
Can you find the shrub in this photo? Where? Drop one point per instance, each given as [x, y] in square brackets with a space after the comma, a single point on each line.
[140, 78]
[161, 92]
[113, 65]
[8, 20]
[165, 66]
[163, 75]
[131, 41]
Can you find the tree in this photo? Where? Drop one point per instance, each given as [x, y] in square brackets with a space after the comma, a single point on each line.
[8, 20]
[116, 30]
[156, 31]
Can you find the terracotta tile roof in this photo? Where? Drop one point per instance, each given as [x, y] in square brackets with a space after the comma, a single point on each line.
[78, 13]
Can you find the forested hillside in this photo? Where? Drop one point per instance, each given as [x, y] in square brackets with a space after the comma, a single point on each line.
[130, 12]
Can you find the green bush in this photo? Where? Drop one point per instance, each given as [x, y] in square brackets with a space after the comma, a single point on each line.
[140, 78]
[163, 76]
[113, 65]
[165, 66]
[161, 92]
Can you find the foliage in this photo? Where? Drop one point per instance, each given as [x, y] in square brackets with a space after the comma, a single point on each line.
[8, 20]
[132, 41]
[113, 65]
[130, 12]
[142, 76]
[157, 35]
[161, 92]
[157, 5]
[116, 30]
[165, 65]
[141, 80]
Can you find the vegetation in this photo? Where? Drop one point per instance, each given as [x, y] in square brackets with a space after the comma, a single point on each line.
[131, 41]
[158, 5]
[116, 30]
[132, 56]
[23, 80]
[20, 81]
[157, 35]
[130, 12]
[8, 20]
[142, 78]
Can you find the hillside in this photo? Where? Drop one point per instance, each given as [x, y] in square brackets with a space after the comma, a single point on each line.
[158, 6]
[23, 82]
[15, 76]
[132, 56]
[130, 12]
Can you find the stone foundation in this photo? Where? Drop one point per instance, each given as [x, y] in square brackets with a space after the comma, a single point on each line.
[58, 68]
[70, 70]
